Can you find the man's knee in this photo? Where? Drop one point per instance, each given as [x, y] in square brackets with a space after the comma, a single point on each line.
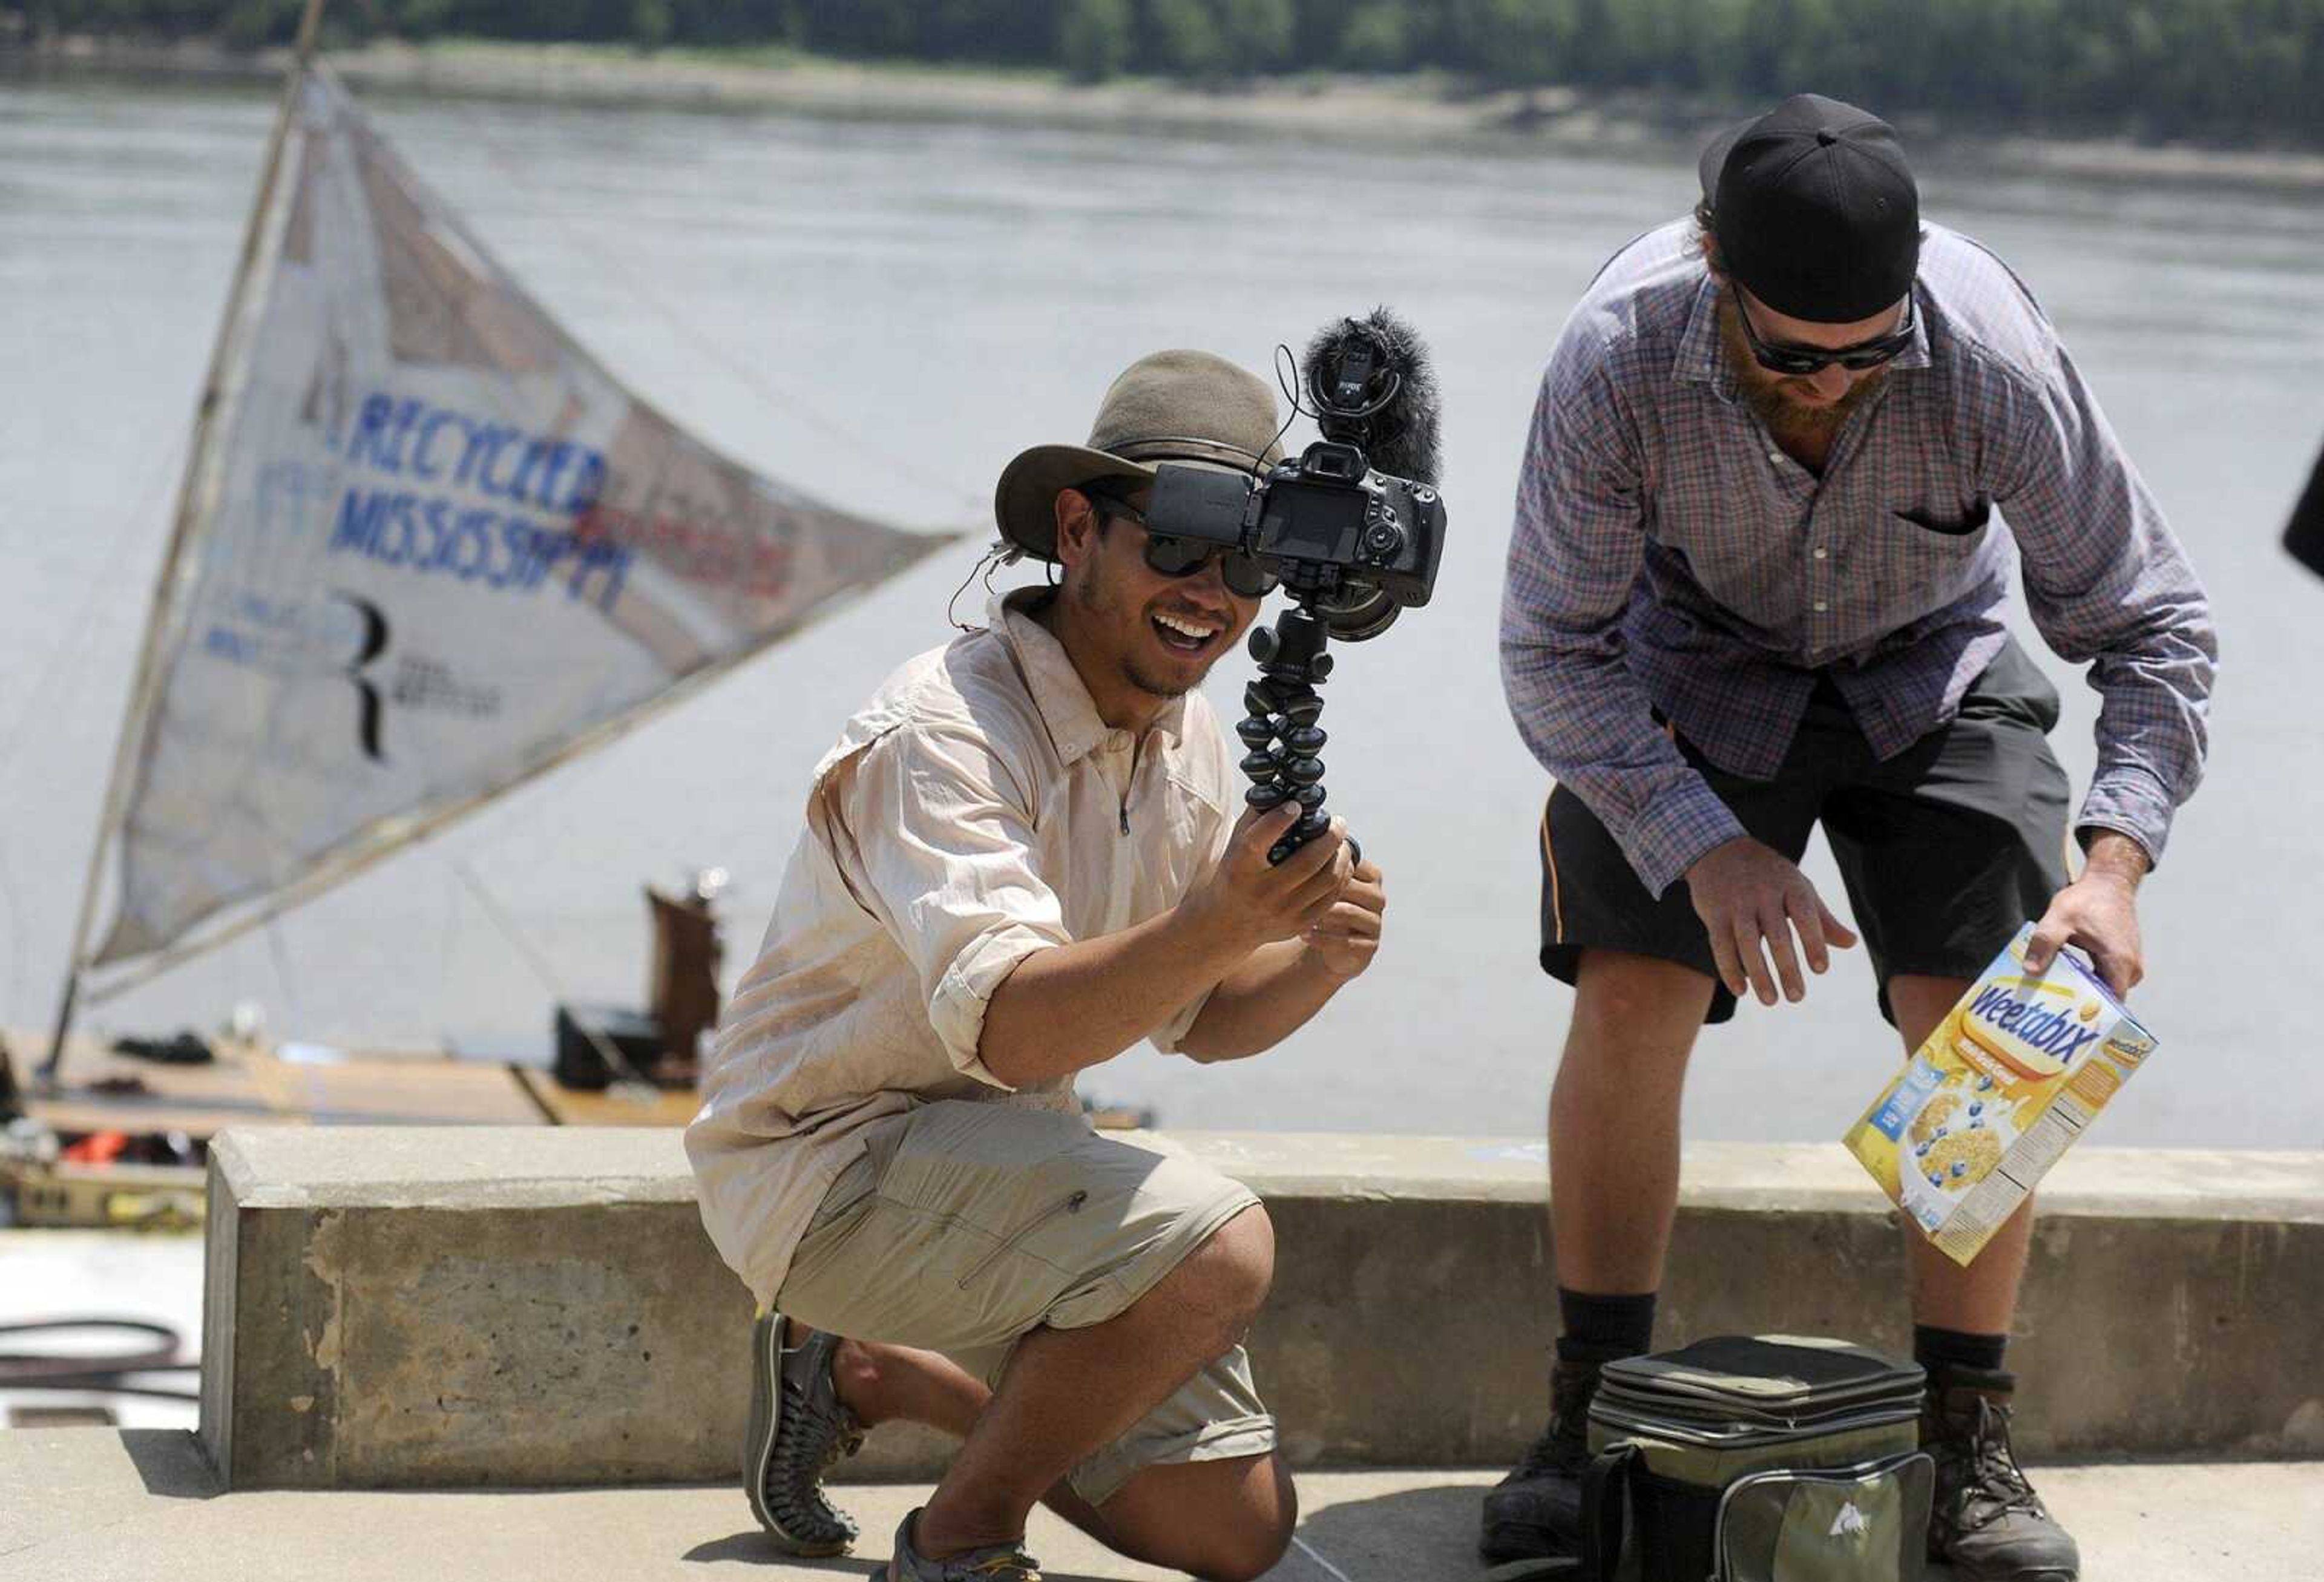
[1244, 1251]
[1918, 1003]
[1232, 1270]
[1262, 1531]
[1222, 1521]
[1633, 1006]
[1253, 1539]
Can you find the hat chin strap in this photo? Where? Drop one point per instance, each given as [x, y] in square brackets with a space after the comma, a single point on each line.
[1002, 553]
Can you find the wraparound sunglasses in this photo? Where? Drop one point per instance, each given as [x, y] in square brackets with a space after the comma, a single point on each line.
[1801, 361]
[1169, 555]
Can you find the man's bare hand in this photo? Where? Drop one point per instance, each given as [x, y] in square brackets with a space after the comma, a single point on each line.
[2099, 912]
[1348, 935]
[1247, 898]
[1747, 893]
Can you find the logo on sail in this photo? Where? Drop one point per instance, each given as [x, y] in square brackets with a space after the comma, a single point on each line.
[374, 644]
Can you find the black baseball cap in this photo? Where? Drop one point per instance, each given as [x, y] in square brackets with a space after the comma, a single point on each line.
[1814, 209]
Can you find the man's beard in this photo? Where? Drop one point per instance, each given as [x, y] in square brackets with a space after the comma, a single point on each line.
[1765, 391]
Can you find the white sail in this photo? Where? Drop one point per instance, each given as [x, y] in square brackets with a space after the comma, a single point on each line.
[432, 548]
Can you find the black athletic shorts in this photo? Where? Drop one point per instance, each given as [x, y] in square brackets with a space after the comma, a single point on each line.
[1945, 848]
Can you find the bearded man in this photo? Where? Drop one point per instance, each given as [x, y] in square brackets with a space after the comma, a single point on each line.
[1022, 857]
[1757, 584]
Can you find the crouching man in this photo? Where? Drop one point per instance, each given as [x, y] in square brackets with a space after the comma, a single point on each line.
[1023, 856]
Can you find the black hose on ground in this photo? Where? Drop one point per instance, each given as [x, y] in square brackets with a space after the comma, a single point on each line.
[100, 1373]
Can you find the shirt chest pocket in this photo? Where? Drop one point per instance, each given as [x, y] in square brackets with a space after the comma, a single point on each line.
[1920, 558]
[1962, 521]
[1926, 541]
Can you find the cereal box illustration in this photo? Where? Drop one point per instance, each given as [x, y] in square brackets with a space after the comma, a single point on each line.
[2001, 1088]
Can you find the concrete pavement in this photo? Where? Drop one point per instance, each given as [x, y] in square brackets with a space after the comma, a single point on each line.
[140, 1505]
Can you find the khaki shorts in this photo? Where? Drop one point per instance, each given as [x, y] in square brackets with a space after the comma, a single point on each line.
[966, 1225]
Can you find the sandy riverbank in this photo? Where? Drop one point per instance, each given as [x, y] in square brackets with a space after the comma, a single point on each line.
[1421, 109]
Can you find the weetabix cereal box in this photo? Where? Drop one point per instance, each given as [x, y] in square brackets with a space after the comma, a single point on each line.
[2001, 1088]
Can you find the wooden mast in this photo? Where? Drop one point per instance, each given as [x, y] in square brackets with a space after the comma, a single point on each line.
[147, 676]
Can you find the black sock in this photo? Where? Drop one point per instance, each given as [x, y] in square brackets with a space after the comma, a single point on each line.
[1936, 1349]
[1600, 1329]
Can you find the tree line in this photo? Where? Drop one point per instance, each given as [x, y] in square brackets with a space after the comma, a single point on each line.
[2248, 71]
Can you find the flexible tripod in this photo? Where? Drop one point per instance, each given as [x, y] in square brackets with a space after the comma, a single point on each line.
[1285, 761]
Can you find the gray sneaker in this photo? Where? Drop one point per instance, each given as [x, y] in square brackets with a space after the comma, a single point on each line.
[1001, 1563]
[797, 1431]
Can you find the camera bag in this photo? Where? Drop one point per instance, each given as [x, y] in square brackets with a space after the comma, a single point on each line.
[1766, 1459]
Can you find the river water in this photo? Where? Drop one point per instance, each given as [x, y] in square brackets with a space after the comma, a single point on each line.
[883, 313]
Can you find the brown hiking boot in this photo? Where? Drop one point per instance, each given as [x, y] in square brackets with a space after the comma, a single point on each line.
[1988, 1524]
[1535, 1512]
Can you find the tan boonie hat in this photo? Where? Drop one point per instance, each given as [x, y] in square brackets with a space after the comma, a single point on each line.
[1170, 407]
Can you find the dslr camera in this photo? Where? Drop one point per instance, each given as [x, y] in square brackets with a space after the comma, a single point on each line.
[1352, 543]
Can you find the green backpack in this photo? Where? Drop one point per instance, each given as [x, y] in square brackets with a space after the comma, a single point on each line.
[1766, 1459]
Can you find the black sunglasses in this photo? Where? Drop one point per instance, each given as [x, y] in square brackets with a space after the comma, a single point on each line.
[1801, 361]
[1168, 555]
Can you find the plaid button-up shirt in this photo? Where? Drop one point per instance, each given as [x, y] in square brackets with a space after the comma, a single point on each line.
[1668, 553]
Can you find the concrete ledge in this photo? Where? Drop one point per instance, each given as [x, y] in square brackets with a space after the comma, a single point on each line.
[413, 1306]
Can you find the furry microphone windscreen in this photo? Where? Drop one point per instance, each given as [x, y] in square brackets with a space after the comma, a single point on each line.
[1402, 438]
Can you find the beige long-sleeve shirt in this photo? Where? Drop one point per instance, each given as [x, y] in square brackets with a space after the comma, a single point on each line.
[976, 809]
